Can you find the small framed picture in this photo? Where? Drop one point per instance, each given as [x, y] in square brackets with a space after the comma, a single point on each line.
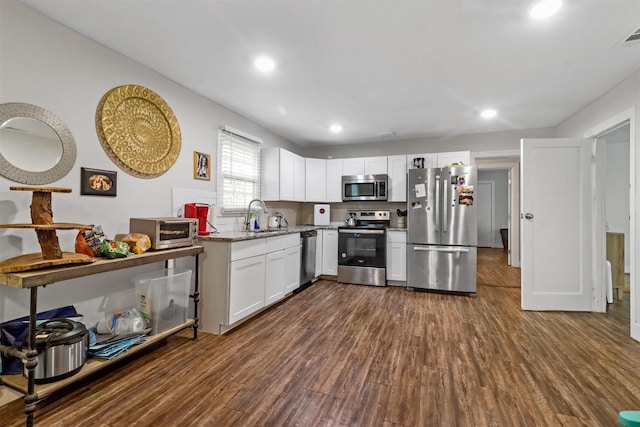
[97, 182]
[201, 166]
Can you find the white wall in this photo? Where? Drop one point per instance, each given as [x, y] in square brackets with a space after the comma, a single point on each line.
[46, 64]
[500, 179]
[490, 141]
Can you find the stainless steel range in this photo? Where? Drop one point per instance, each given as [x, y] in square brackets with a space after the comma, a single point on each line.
[362, 248]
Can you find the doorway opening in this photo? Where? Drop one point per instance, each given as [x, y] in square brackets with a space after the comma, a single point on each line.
[617, 142]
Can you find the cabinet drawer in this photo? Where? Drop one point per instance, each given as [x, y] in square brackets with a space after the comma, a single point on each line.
[278, 243]
[247, 248]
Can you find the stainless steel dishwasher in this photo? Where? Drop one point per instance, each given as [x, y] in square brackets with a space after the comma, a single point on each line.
[307, 256]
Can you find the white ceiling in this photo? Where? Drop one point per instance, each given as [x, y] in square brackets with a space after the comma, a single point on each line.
[386, 70]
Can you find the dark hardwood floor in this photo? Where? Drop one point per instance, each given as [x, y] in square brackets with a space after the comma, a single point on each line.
[347, 355]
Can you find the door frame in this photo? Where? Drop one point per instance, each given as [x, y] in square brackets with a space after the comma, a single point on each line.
[510, 160]
[628, 115]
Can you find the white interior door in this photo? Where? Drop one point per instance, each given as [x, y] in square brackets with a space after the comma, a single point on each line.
[484, 206]
[560, 223]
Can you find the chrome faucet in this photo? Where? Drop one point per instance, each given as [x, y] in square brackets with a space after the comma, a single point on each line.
[247, 224]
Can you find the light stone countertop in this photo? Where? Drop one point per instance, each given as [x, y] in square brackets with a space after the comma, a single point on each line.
[237, 236]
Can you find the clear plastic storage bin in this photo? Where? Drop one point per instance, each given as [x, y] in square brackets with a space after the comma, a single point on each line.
[163, 297]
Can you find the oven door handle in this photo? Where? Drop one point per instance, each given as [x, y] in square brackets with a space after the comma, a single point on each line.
[360, 231]
[436, 249]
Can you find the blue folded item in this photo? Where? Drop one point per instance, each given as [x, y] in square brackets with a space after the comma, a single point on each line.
[107, 346]
[15, 333]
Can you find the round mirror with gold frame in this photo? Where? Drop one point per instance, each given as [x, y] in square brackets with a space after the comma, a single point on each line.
[36, 147]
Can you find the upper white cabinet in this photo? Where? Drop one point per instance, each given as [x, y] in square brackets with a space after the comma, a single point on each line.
[334, 180]
[353, 166]
[365, 166]
[283, 175]
[298, 178]
[397, 170]
[316, 180]
[440, 160]
[375, 165]
[430, 160]
[445, 159]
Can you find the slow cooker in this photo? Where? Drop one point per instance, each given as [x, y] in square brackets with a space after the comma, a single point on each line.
[62, 349]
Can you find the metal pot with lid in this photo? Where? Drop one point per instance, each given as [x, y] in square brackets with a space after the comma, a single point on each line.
[62, 349]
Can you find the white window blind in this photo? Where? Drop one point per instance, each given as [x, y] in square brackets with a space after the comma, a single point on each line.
[238, 171]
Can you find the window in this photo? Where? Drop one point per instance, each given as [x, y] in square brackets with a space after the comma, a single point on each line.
[238, 171]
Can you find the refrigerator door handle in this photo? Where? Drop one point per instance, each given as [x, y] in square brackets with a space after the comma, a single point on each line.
[445, 206]
[436, 249]
[437, 203]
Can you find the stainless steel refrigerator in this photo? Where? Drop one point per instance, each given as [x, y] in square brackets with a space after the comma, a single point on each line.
[442, 230]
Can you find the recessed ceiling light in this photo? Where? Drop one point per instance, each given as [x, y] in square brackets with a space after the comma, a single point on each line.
[544, 9]
[488, 113]
[264, 64]
[335, 128]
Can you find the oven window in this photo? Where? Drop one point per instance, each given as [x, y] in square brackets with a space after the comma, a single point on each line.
[364, 250]
[366, 189]
[172, 231]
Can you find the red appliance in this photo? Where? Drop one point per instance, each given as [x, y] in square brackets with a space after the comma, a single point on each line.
[200, 211]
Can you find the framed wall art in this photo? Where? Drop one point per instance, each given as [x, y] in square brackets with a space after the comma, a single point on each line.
[201, 166]
[97, 182]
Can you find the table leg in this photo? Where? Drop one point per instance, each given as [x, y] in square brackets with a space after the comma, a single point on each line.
[31, 353]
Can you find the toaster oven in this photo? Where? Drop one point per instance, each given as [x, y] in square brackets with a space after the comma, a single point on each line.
[166, 232]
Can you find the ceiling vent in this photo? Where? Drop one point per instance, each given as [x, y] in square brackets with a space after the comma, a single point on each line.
[632, 38]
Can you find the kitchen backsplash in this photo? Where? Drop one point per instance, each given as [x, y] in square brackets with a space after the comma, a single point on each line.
[296, 213]
[339, 210]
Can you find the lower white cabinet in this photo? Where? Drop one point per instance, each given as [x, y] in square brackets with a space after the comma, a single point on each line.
[397, 256]
[241, 278]
[319, 254]
[246, 287]
[330, 252]
[274, 277]
[291, 268]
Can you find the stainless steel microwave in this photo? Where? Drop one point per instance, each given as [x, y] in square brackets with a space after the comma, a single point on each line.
[364, 187]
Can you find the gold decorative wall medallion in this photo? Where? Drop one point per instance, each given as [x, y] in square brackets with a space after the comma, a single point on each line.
[138, 131]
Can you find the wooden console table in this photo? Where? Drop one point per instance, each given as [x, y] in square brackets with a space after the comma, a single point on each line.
[31, 280]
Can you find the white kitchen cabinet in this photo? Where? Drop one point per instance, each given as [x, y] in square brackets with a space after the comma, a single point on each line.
[397, 171]
[246, 287]
[274, 277]
[440, 160]
[353, 166]
[445, 159]
[397, 256]
[298, 178]
[330, 252]
[292, 268]
[375, 165]
[316, 180]
[334, 180]
[240, 278]
[430, 160]
[283, 175]
[319, 254]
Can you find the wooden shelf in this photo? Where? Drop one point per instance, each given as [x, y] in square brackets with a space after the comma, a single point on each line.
[52, 226]
[30, 279]
[19, 382]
